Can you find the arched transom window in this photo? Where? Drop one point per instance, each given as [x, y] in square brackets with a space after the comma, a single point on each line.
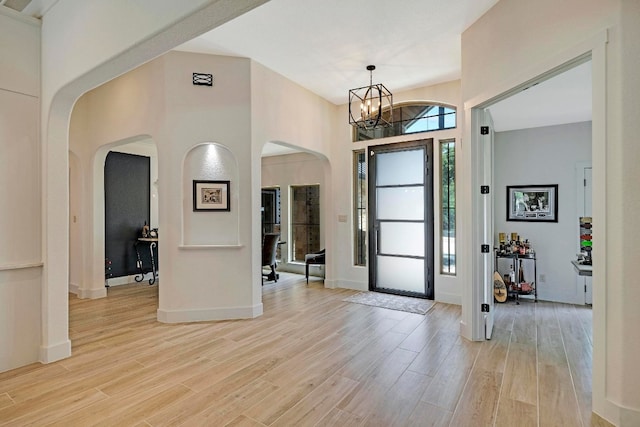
[412, 118]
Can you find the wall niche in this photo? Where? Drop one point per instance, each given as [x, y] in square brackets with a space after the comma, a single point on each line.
[210, 162]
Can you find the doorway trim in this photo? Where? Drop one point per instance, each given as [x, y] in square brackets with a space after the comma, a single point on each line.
[472, 326]
[594, 48]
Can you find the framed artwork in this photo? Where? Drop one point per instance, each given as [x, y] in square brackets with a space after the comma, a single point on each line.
[211, 196]
[535, 203]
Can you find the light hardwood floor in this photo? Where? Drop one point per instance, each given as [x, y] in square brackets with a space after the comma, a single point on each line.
[311, 359]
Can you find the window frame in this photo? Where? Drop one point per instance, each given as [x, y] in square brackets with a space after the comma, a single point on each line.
[447, 269]
[359, 209]
[292, 245]
[398, 128]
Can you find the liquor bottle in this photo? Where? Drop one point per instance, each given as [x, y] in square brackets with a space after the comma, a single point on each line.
[520, 273]
[512, 275]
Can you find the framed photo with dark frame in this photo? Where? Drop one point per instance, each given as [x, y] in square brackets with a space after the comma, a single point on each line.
[211, 196]
[535, 203]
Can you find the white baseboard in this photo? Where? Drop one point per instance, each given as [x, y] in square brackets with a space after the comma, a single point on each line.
[629, 417]
[56, 352]
[125, 280]
[316, 270]
[448, 298]
[330, 284]
[465, 331]
[617, 415]
[206, 314]
[351, 284]
[92, 293]
[74, 288]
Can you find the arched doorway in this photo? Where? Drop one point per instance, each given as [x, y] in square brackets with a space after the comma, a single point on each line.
[61, 90]
[87, 239]
[295, 199]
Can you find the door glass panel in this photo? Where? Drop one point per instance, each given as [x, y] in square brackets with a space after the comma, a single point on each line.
[404, 274]
[400, 203]
[402, 238]
[400, 167]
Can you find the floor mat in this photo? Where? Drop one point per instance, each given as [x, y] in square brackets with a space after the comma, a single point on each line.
[393, 302]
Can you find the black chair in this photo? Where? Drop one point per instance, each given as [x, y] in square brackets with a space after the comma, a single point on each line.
[269, 246]
[313, 259]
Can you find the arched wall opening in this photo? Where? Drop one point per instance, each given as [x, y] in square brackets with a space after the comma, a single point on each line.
[286, 168]
[87, 276]
[142, 151]
[61, 90]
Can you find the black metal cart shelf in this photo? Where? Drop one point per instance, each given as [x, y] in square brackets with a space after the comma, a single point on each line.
[514, 292]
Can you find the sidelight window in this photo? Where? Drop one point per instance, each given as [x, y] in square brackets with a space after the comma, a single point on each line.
[360, 207]
[448, 206]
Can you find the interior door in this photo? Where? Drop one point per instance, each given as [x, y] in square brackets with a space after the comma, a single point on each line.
[401, 215]
[483, 153]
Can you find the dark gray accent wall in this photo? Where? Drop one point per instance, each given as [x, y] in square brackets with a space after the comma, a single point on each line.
[127, 192]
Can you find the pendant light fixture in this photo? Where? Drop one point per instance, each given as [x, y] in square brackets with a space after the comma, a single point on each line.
[370, 106]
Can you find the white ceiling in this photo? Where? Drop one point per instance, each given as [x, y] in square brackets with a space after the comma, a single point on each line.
[326, 45]
[33, 8]
[565, 98]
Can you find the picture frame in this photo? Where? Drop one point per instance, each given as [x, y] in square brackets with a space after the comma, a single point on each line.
[533, 203]
[211, 196]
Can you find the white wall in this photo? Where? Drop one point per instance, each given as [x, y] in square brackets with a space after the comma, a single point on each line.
[76, 254]
[285, 171]
[545, 155]
[20, 216]
[623, 334]
[20, 58]
[195, 115]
